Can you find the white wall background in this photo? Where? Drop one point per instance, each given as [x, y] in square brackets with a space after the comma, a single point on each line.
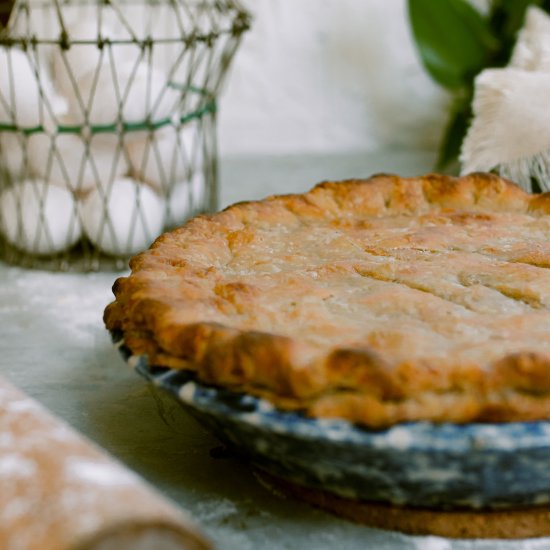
[317, 76]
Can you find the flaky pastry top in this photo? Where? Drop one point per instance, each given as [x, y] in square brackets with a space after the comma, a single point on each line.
[378, 301]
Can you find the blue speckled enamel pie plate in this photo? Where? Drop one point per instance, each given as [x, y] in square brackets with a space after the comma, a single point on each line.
[416, 464]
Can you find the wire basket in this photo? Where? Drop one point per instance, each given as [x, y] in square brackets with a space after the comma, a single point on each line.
[108, 124]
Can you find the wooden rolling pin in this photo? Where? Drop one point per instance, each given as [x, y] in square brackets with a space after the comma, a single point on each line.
[59, 492]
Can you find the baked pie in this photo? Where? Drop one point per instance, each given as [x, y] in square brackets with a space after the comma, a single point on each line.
[378, 301]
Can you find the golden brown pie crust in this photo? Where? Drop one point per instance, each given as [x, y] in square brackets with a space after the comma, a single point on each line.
[378, 301]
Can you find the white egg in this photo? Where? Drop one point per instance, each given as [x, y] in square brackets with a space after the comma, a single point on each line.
[39, 218]
[125, 220]
[27, 98]
[185, 199]
[166, 156]
[75, 162]
[129, 93]
[84, 55]
[198, 187]
[178, 203]
[149, 95]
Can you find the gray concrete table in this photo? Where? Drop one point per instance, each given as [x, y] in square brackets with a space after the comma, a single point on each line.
[54, 347]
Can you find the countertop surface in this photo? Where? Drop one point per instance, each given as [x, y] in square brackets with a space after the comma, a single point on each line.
[54, 347]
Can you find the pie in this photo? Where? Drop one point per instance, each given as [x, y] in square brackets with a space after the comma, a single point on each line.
[378, 301]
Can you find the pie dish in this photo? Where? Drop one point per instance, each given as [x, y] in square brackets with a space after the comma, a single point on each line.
[474, 466]
[377, 301]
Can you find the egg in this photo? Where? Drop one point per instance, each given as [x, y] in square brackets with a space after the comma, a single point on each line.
[199, 195]
[148, 95]
[84, 55]
[166, 155]
[185, 199]
[129, 93]
[27, 98]
[178, 203]
[115, 83]
[39, 218]
[76, 162]
[125, 220]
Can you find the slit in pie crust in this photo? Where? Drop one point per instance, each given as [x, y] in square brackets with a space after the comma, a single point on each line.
[378, 301]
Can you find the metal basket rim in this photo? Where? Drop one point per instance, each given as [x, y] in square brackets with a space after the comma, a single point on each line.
[209, 107]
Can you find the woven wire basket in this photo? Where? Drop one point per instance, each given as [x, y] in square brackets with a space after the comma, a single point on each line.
[108, 124]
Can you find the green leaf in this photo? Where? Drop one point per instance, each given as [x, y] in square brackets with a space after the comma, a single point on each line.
[510, 14]
[515, 10]
[455, 132]
[453, 39]
[505, 19]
